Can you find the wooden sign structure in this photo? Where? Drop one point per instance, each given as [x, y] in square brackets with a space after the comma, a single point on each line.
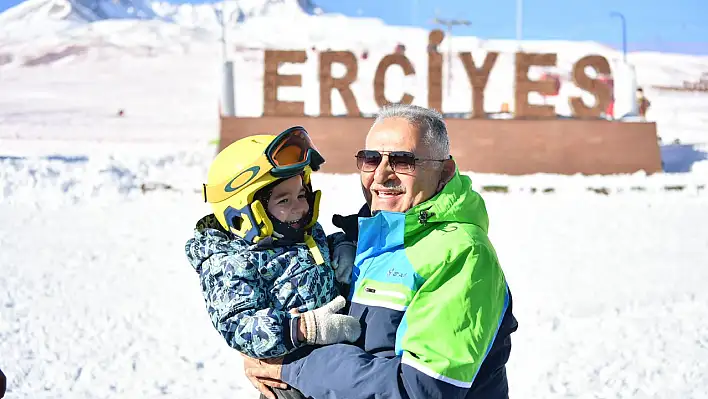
[535, 141]
[477, 77]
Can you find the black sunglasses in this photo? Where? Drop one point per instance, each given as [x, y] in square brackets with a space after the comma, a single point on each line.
[400, 161]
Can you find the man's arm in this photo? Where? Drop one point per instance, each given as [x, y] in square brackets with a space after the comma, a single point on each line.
[445, 335]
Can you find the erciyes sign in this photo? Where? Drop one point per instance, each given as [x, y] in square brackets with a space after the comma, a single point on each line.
[477, 76]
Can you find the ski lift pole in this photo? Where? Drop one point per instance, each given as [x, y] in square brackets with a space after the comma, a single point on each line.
[624, 33]
[227, 71]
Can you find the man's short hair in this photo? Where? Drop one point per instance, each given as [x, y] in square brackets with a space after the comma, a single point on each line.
[429, 122]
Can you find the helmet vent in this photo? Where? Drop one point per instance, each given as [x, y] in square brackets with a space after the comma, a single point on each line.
[236, 222]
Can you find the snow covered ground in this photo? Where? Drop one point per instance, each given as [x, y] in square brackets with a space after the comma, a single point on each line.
[97, 299]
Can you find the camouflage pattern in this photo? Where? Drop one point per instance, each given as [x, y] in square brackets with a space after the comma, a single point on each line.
[249, 289]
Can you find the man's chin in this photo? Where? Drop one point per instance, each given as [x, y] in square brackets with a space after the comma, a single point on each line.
[392, 204]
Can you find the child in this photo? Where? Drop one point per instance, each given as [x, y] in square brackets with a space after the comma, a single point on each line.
[263, 260]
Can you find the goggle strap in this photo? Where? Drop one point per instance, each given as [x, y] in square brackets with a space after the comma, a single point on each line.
[281, 137]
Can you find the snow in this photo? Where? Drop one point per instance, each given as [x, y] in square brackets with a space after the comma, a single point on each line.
[97, 299]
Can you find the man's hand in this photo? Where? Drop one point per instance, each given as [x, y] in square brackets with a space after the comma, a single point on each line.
[264, 373]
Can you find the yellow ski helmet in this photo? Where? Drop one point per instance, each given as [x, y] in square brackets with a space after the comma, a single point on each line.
[251, 163]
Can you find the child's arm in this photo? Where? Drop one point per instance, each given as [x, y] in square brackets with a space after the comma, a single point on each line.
[238, 304]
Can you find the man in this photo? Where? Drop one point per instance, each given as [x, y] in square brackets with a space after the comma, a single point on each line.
[435, 308]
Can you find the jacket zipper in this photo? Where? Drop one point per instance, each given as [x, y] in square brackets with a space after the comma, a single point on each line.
[392, 294]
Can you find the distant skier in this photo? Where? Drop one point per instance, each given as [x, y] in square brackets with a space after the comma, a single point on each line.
[643, 103]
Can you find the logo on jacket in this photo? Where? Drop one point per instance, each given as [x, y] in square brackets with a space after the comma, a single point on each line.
[394, 273]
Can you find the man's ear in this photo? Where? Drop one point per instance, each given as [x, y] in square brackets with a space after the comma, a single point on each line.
[448, 171]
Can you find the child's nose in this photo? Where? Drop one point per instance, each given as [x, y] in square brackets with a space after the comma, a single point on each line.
[303, 207]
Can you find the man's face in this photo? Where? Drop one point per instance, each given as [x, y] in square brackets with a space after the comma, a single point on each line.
[386, 190]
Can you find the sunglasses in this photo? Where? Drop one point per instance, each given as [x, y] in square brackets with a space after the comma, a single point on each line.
[400, 161]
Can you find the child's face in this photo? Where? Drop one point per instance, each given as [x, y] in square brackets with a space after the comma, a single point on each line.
[287, 201]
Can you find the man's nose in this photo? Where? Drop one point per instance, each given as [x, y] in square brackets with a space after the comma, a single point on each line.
[384, 171]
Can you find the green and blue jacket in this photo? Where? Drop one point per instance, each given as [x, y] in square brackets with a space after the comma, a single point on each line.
[434, 305]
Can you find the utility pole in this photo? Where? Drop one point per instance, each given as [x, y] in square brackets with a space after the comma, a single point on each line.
[449, 23]
[223, 31]
[624, 33]
[519, 37]
[519, 21]
[414, 13]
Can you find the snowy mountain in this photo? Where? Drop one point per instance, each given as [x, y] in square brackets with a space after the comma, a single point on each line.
[56, 29]
[98, 10]
[92, 10]
[39, 19]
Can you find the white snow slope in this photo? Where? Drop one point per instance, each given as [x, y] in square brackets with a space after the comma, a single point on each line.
[97, 299]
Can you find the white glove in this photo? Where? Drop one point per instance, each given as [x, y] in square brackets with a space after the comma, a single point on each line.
[324, 326]
[343, 261]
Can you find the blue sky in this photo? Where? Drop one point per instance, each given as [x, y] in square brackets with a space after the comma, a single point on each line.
[662, 25]
[673, 25]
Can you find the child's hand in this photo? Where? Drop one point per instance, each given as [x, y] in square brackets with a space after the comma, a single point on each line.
[324, 326]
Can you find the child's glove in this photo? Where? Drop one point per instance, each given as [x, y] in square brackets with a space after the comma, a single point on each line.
[343, 254]
[324, 326]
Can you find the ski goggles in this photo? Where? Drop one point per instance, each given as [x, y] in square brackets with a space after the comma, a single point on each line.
[286, 156]
[291, 151]
[401, 161]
